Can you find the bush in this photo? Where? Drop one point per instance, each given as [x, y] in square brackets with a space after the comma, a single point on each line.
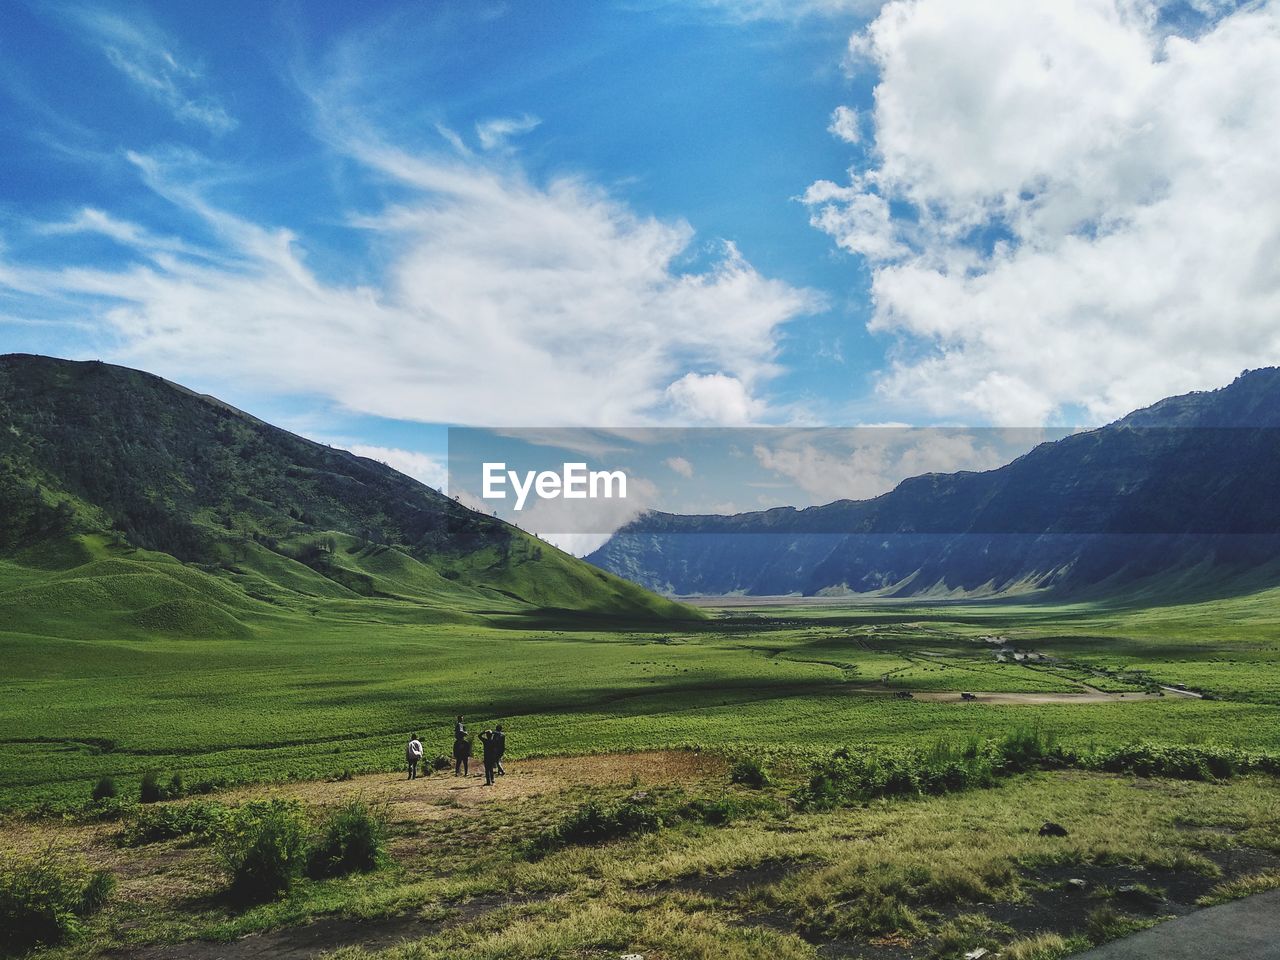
[714, 813]
[200, 821]
[264, 849]
[104, 789]
[149, 792]
[593, 822]
[44, 902]
[353, 839]
[441, 763]
[849, 778]
[750, 773]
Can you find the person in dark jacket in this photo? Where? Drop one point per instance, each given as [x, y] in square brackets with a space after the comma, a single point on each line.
[461, 750]
[490, 756]
[500, 739]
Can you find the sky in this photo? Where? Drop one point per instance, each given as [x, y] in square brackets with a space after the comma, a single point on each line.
[366, 222]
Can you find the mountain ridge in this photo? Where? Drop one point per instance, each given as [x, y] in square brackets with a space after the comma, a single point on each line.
[1177, 478]
[106, 464]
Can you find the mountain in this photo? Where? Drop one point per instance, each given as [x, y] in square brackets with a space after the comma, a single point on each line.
[130, 500]
[1179, 496]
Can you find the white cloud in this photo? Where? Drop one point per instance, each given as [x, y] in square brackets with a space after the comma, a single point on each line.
[149, 61]
[505, 303]
[714, 398]
[421, 466]
[680, 465]
[753, 10]
[495, 132]
[844, 124]
[581, 526]
[1091, 213]
[864, 463]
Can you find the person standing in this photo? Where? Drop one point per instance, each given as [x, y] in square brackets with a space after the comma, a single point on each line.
[461, 749]
[490, 756]
[500, 739]
[413, 755]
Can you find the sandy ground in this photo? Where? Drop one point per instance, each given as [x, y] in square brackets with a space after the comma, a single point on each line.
[438, 795]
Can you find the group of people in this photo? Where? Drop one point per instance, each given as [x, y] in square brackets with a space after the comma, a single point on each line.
[494, 746]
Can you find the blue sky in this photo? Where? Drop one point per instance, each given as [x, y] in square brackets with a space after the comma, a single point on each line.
[682, 113]
[363, 221]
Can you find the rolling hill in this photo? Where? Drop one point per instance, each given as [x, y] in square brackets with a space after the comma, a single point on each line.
[129, 504]
[1176, 499]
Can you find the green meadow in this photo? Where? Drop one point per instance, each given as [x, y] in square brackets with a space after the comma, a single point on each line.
[130, 662]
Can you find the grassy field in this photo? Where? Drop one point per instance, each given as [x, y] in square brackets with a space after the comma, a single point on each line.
[111, 670]
[314, 686]
[126, 664]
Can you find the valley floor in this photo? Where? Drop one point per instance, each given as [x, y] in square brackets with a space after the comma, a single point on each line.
[313, 706]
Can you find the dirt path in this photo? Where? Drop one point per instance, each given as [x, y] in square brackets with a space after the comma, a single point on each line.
[1088, 695]
[442, 795]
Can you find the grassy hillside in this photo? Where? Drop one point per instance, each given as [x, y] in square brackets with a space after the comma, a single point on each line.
[109, 477]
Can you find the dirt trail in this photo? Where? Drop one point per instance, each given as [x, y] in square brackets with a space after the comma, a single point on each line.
[1087, 695]
[440, 796]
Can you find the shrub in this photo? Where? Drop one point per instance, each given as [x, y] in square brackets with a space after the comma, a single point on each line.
[44, 902]
[149, 792]
[848, 778]
[104, 789]
[1106, 924]
[352, 839]
[715, 813]
[441, 763]
[750, 773]
[593, 822]
[264, 849]
[200, 821]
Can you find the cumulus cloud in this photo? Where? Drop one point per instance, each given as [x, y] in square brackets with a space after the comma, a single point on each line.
[680, 465]
[844, 125]
[713, 398]
[1069, 207]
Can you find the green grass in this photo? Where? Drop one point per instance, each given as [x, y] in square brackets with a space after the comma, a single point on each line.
[132, 662]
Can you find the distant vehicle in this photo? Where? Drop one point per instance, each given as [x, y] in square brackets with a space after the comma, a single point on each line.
[968, 696]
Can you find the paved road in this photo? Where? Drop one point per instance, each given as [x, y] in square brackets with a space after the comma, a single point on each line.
[1247, 929]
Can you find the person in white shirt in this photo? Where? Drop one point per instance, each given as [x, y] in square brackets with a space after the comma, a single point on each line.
[413, 754]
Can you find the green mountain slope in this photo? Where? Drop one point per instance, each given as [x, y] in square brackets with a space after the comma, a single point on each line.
[128, 503]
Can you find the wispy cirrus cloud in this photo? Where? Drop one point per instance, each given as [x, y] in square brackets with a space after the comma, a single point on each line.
[145, 56]
[755, 10]
[496, 132]
[504, 301]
